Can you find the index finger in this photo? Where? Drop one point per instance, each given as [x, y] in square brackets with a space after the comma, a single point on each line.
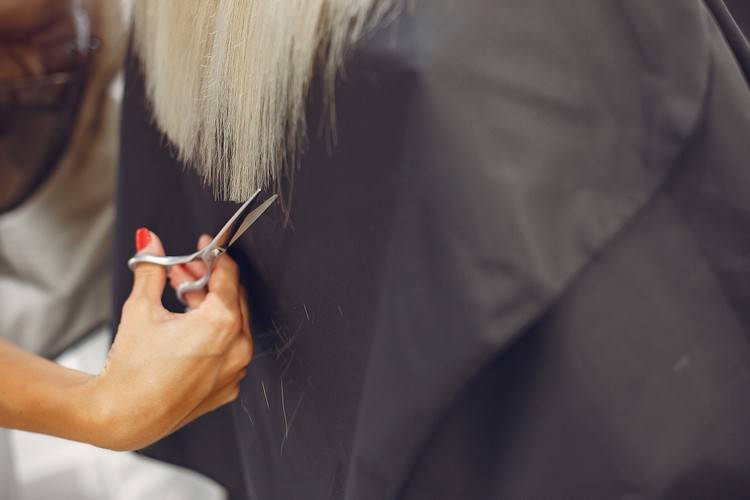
[225, 280]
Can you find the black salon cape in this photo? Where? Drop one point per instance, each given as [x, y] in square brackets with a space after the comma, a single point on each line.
[521, 271]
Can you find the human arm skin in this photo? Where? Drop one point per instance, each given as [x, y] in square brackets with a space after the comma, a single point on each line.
[41, 396]
[164, 369]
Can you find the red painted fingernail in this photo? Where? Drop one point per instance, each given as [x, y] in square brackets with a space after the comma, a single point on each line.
[142, 239]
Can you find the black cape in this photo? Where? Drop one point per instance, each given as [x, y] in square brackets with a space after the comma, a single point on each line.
[522, 271]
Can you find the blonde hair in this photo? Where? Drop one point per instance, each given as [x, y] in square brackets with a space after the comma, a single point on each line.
[228, 79]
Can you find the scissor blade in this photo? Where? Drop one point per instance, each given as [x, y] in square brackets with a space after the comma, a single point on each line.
[227, 231]
[251, 218]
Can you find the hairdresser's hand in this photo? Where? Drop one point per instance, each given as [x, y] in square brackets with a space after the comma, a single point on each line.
[191, 272]
[166, 369]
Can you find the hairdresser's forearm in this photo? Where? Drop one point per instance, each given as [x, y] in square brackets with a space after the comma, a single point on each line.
[41, 396]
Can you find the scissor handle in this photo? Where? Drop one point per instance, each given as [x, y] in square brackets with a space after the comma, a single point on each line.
[161, 260]
[208, 255]
[242, 219]
[191, 286]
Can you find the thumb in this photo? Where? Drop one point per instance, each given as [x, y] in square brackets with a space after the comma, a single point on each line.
[149, 279]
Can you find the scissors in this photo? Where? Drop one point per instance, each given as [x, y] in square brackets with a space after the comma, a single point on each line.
[242, 219]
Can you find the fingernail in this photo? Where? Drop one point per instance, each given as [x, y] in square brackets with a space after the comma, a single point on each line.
[142, 239]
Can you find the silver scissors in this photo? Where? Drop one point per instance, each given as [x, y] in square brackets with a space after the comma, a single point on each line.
[242, 219]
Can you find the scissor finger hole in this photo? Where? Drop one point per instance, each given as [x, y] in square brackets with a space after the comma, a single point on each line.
[191, 286]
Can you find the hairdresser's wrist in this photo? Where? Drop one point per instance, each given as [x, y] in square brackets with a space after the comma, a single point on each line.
[61, 403]
[83, 407]
[90, 415]
[100, 417]
[117, 418]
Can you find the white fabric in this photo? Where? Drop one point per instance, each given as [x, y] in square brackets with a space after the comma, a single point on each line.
[7, 480]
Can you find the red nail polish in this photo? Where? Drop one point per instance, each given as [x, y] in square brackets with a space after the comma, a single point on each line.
[142, 239]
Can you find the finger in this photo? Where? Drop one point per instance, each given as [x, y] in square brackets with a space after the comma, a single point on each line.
[235, 362]
[240, 354]
[225, 280]
[245, 310]
[225, 395]
[149, 279]
[204, 240]
[198, 268]
[179, 275]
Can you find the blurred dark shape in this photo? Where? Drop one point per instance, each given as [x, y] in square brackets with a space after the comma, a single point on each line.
[43, 72]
